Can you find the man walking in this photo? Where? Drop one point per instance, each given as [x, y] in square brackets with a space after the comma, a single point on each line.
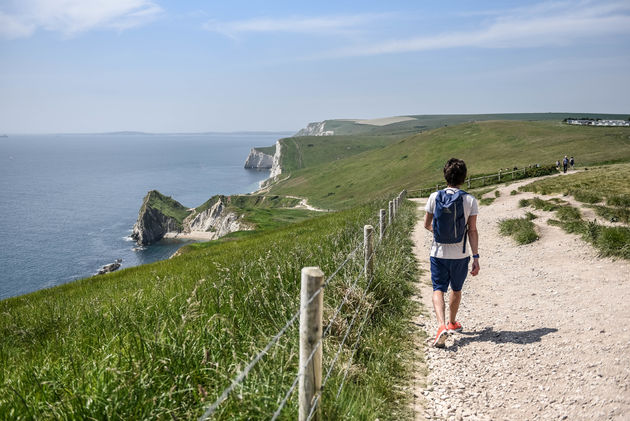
[451, 214]
[565, 163]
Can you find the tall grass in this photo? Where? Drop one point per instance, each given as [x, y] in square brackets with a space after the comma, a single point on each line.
[161, 341]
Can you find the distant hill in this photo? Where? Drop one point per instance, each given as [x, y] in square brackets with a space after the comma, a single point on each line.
[416, 123]
[418, 160]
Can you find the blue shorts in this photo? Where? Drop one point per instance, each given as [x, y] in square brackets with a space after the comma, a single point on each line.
[448, 271]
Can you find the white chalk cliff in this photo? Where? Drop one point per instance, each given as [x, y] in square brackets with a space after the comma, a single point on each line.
[216, 220]
[276, 169]
[258, 160]
[315, 129]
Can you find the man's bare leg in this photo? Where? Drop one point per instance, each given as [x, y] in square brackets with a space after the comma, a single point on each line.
[438, 306]
[453, 304]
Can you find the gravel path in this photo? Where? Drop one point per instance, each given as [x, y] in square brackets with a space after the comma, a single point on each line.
[546, 329]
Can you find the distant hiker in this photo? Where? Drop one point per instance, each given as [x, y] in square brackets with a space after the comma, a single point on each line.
[558, 164]
[565, 163]
[451, 214]
[572, 162]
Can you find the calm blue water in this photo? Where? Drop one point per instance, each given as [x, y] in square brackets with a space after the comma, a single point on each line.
[68, 202]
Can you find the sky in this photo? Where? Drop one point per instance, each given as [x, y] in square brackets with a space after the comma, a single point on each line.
[90, 66]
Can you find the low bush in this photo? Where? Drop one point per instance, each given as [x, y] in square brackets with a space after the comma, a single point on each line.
[521, 229]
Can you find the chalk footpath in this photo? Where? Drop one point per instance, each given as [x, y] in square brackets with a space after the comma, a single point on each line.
[546, 329]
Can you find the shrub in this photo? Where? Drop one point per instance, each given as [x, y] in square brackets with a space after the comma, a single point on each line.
[586, 196]
[530, 216]
[619, 200]
[521, 229]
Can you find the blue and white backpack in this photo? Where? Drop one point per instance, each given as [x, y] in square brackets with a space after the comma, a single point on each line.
[449, 221]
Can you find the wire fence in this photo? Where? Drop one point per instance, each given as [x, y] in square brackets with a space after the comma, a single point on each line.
[366, 272]
[485, 180]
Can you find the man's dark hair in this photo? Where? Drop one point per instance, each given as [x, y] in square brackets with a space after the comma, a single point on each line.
[455, 172]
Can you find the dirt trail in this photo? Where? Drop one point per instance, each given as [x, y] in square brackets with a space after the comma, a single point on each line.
[546, 329]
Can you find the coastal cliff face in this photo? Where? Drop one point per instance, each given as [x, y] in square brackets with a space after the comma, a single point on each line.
[217, 219]
[315, 129]
[276, 168]
[158, 215]
[258, 160]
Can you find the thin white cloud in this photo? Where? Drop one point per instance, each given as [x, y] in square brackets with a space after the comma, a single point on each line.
[548, 24]
[71, 17]
[308, 25]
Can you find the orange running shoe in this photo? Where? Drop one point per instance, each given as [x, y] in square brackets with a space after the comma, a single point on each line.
[440, 338]
[454, 327]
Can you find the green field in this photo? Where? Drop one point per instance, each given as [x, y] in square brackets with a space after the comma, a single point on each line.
[417, 161]
[269, 150]
[161, 341]
[430, 122]
[308, 151]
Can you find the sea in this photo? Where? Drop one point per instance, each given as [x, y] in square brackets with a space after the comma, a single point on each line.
[68, 202]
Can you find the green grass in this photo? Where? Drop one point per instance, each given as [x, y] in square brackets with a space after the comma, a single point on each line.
[487, 201]
[308, 151]
[530, 216]
[613, 213]
[540, 204]
[610, 183]
[161, 341]
[429, 122]
[609, 241]
[269, 150]
[165, 204]
[520, 229]
[485, 146]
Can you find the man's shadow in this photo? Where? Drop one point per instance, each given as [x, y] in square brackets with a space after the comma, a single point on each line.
[500, 337]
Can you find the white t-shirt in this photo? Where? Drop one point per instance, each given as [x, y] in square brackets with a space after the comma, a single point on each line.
[452, 251]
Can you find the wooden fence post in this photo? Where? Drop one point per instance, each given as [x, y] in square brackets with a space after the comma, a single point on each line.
[368, 230]
[468, 182]
[499, 176]
[390, 217]
[310, 375]
[381, 224]
[437, 187]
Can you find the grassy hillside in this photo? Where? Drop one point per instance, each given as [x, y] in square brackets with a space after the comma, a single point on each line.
[308, 151]
[418, 160]
[269, 150]
[165, 204]
[429, 122]
[161, 341]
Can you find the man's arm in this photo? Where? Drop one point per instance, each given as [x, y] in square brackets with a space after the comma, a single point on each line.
[428, 221]
[473, 238]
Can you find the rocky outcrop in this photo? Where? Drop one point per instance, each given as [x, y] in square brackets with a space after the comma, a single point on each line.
[154, 221]
[160, 216]
[216, 219]
[258, 160]
[110, 267]
[276, 168]
[315, 129]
